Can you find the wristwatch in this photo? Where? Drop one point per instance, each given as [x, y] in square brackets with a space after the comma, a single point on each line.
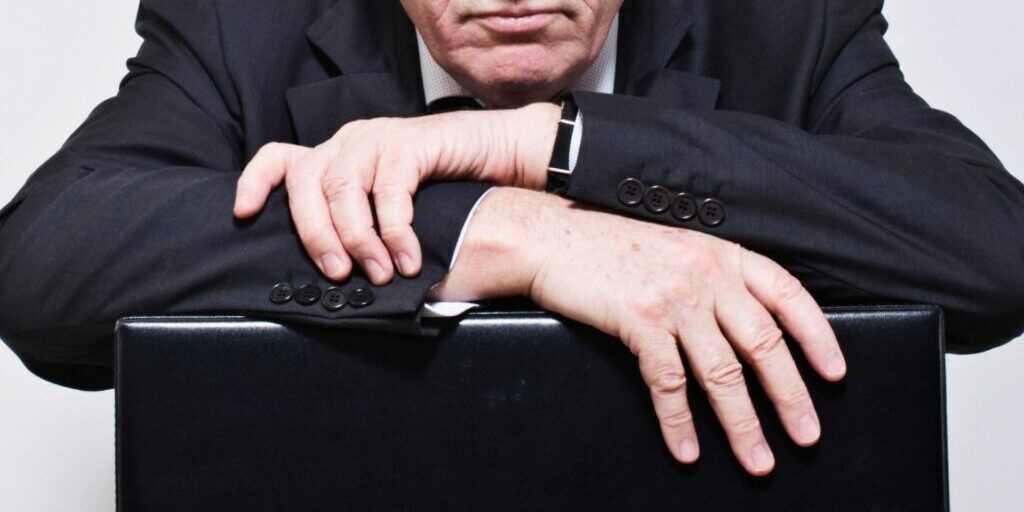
[558, 168]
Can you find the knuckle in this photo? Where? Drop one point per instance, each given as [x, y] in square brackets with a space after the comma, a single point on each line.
[351, 127]
[677, 419]
[724, 376]
[787, 287]
[795, 398]
[766, 342]
[700, 255]
[651, 308]
[683, 293]
[393, 232]
[398, 163]
[386, 189]
[390, 162]
[335, 187]
[358, 241]
[668, 380]
[747, 426]
[271, 148]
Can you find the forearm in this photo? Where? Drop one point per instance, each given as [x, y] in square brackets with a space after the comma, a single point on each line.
[876, 220]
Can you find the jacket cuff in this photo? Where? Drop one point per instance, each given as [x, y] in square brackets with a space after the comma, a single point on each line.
[441, 207]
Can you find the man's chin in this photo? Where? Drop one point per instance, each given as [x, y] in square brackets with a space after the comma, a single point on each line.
[516, 93]
[519, 88]
[522, 74]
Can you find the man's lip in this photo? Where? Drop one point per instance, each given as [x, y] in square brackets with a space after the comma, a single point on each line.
[517, 21]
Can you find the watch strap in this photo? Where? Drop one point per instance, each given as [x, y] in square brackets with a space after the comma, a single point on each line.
[558, 168]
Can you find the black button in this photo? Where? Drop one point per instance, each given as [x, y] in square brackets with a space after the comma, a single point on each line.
[684, 207]
[712, 212]
[631, 192]
[333, 299]
[657, 199]
[360, 297]
[308, 295]
[281, 293]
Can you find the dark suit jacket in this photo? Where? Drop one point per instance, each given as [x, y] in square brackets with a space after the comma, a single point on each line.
[793, 113]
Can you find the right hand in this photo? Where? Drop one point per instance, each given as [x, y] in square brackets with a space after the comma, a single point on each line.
[351, 197]
[658, 288]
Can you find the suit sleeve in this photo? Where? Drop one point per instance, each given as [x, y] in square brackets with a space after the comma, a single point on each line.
[133, 216]
[876, 198]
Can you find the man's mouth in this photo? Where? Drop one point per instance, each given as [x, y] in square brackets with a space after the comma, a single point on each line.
[517, 21]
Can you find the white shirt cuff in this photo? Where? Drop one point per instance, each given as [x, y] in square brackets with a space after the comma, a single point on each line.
[450, 309]
[574, 143]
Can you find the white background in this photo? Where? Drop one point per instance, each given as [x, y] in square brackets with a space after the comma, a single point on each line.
[59, 58]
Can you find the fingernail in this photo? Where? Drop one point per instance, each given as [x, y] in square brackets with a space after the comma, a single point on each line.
[404, 262]
[331, 264]
[761, 458]
[836, 365]
[808, 428]
[373, 268]
[688, 449]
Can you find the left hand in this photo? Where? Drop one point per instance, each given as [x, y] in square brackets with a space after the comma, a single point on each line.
[714, 299]
[329, 186]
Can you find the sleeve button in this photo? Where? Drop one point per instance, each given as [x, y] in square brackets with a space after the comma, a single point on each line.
[308, 295]
[657, 199]
[333, 299]
[712, 212]
[360, 297]
[684, 207]
[631, 192]
[281, 293]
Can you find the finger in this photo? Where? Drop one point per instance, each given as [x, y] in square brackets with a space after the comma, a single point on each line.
[393, 188]
[264, 172]
[721, 375]
[758, 339]
[347, 188]
[662, 370]
[784, 296]
[311, 216]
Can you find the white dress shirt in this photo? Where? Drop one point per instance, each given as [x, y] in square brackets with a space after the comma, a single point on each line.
[437, 84]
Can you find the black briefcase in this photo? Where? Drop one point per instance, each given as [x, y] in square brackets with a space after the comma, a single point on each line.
[506, 411]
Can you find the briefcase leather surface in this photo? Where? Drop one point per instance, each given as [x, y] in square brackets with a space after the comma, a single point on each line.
[505, 411]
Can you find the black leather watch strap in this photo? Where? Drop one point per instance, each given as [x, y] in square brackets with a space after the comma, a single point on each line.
[558, 168]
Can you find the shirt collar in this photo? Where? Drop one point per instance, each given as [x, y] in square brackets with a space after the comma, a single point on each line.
[600, 77]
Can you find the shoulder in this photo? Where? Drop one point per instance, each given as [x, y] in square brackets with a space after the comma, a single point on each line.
[255, 19]
[251, 20]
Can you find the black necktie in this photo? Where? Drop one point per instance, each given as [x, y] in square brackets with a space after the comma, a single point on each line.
[453, 103]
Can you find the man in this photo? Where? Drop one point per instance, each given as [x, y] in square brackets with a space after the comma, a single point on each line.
[734, 135]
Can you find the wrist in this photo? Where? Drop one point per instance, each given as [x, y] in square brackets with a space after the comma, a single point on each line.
[536, 127]
[507, 242]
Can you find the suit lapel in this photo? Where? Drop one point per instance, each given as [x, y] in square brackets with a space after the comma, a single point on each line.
[654, 34]
[370, 46]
